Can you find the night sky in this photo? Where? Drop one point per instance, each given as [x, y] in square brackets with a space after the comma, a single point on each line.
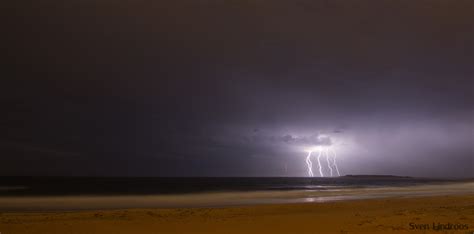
[236, 88]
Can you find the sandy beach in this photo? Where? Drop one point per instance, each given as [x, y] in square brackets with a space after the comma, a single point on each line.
[394, 215]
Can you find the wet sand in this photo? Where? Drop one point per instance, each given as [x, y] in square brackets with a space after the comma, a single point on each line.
[383, 215]
[226, 199]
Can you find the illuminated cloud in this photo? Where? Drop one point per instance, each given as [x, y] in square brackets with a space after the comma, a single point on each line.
[313, 140]
[288, 139]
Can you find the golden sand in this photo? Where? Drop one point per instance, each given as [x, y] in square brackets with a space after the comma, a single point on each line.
[394, 215]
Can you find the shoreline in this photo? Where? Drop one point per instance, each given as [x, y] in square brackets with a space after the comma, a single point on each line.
[225, 199]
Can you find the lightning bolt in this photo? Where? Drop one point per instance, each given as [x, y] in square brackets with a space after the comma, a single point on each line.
[334, 161]
[326, 151]
[310, 164]
[319, 164]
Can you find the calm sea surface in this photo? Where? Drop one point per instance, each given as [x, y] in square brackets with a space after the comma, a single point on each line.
[52, 186]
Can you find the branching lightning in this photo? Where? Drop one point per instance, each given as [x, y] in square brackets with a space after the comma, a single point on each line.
[334, 161]
[310, 164]
[326, 151]
[319, 164]
[330, 155]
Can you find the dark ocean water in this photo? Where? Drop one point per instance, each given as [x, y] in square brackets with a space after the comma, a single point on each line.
[52, 186]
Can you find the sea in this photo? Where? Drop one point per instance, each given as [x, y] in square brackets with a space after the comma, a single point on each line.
[60, 186]
[53, 193]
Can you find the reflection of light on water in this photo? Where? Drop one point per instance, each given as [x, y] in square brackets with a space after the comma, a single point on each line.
[330, 198]
[313, 199]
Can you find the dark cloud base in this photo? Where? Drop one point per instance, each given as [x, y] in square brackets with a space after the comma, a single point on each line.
[211, 88]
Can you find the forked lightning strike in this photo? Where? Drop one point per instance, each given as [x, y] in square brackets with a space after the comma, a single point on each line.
[330, 153]
[319, 164]
[327, 159]
[310, 164]
[334, 162]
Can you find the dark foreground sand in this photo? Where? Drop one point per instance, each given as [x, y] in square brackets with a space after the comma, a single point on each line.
[387, 215]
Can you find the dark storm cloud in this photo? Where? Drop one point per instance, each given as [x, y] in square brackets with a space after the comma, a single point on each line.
[218, 88]
[36, 149]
